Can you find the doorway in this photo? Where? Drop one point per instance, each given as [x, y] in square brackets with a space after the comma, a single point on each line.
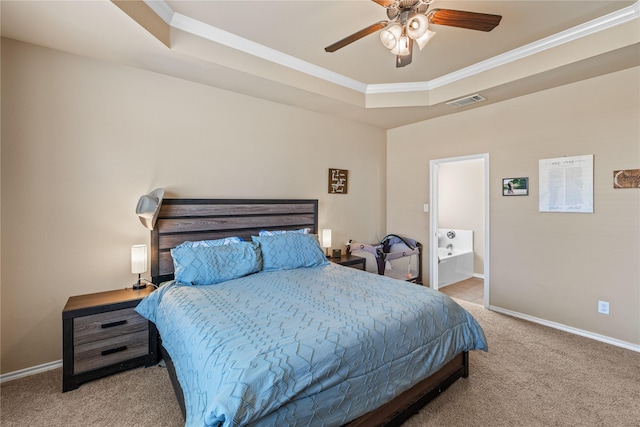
[438, 200]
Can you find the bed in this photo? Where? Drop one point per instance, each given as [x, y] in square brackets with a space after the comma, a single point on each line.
[297, 340]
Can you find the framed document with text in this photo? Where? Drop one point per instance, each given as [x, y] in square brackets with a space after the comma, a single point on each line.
[566, 184]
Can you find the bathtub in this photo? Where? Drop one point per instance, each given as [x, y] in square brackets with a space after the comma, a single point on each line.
[455, 267]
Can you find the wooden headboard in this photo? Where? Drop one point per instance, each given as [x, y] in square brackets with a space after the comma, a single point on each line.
[183, 220]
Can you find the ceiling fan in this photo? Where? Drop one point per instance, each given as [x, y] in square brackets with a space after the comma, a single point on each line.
[408, 23]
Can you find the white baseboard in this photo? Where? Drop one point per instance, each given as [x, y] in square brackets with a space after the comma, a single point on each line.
[30, 371]
[570, 329]
[478, 275]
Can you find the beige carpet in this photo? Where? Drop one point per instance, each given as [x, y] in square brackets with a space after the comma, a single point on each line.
[532, 376]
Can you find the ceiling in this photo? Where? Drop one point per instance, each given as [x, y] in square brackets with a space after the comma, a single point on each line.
[274, 50]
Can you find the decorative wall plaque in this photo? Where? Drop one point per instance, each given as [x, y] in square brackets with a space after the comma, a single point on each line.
[338, 181]
[629, 178]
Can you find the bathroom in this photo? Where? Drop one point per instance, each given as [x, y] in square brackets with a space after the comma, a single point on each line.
[461, 209]
[455, 256]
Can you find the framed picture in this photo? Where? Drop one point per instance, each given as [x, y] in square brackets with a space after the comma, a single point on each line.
[566, 184]
[515, 186]
[338, 180]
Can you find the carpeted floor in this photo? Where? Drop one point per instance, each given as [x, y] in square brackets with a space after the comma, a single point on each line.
[531, 376]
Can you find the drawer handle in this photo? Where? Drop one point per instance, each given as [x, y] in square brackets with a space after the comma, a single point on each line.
[112, 324]
[114, 350]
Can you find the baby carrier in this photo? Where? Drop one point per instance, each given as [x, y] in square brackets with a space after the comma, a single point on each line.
[395, 256]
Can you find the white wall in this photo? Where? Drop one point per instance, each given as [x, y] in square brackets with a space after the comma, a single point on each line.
[83, 139]
[552, 266]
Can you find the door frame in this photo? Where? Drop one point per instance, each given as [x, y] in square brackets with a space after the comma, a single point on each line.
[434, 219]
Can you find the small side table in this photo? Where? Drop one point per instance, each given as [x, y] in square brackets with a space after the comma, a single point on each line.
[351, 261]
[102, 335]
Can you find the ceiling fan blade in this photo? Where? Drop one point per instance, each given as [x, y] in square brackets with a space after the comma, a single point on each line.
[462, 19]
[356, 36]
[404, 60]
[383, 3]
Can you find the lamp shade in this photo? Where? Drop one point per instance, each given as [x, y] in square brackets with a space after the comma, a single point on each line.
[417, 25]
[403, 48]
[326, 238]
[390, 35]
[138, 259]
[422, 41]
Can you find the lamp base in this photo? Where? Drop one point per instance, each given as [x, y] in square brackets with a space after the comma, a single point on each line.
[139, 284]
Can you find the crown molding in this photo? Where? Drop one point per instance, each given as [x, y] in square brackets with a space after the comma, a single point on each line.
[161, 8]
[217, 35]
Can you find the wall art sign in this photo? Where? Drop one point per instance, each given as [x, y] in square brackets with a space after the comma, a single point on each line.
[515, 186]
[629, 178]
[338, 179]
[566, 184]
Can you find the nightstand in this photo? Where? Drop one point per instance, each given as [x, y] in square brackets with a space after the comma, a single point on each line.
[102, 335]
[351, 261]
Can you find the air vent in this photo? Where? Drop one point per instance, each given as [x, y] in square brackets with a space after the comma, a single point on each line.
[467, 100]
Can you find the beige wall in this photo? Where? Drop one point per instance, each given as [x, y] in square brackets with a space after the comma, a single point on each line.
[83, 139]
[552, 266]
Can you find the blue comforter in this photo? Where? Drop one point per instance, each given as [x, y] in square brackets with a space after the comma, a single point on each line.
[312, 346]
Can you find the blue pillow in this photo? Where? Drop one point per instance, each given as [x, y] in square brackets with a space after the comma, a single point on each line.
[290, 250]
[208, 265]
[210, 243]
[274, 232]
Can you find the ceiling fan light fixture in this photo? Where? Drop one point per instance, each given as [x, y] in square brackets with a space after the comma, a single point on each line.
[422, 41]
[409, 21]
[417, 26]
[403, 47]
[390, 35]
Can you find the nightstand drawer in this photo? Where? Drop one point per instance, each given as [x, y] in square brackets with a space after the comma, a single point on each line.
[103, 335]
[97, 354]
[101, 326]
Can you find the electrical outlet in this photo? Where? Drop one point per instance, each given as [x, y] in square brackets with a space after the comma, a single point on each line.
[603, 307]
[426, 207]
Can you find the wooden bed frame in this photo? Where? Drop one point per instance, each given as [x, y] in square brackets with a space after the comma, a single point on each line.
[180, 220]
